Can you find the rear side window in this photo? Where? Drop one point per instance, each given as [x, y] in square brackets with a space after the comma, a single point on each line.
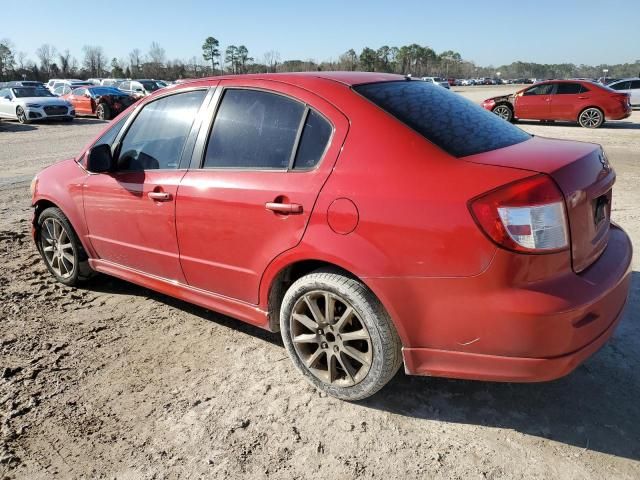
[635, 84]
[254, 129]
[568, 88]
[157, 135]
[448, 120]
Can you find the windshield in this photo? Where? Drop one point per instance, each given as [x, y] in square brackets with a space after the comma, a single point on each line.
[22, 92]
[151, 86]
[450, 121]
[106, 91]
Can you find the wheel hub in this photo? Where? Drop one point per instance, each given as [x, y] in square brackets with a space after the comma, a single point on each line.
[330, 338]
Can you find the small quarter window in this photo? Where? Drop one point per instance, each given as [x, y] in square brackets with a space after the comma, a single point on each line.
[313, 142]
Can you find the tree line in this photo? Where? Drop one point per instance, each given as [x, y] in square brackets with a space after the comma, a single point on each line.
[414, 59]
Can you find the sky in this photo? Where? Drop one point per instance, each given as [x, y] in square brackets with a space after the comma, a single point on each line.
[489, 33]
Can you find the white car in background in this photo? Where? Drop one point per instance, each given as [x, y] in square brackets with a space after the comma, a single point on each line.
[630, 86]
[26, 104]
[438, 81]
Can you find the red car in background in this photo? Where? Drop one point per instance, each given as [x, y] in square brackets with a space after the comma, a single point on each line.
[584, 102]
[104, 103]
[370, 218]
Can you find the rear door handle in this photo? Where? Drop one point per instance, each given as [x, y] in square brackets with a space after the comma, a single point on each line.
[582, 98]
[159, 196]
[287, 208]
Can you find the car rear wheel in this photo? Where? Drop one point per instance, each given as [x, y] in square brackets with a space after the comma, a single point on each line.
[60, 248]
[338, 335]
[103, 112]
[591, 117]
[504, 111]
[22, 116]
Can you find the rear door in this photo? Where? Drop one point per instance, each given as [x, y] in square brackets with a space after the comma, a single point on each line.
[257, 173]
[566, 100]
[533, 103]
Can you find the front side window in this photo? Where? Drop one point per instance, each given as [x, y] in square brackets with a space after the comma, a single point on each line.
[157, 135]
[450, 121]
[253, 129]
[568, 88]
[544, 89]
[79, 92]
[110, 135]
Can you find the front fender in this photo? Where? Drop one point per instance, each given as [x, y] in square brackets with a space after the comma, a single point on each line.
[61, 184]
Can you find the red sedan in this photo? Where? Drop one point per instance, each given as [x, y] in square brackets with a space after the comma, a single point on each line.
[587, 103]
[373, 220]
[104, 103]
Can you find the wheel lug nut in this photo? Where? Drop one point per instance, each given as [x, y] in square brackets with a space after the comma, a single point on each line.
[335, 348]
[324, 345]
[320, 332]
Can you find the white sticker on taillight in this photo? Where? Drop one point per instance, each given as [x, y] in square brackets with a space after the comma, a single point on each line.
[540, 227]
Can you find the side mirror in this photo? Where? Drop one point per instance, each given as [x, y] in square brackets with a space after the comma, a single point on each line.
[99, 159]
[139, 90]
[87, 94]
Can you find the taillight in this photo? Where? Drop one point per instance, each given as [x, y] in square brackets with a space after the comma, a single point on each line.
[525, 216]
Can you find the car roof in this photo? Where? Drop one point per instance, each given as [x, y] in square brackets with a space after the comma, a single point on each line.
[303, 78]
[625, 80]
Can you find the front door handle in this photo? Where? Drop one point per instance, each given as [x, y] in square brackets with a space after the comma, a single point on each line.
[583, 98]
[286, 208]
[159, 196]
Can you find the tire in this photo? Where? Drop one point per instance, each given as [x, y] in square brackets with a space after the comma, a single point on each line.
[22, 117]
[103, 112]
[504, 111]
[67, 119]
[591, 117]
[69, 264]
[349, 369]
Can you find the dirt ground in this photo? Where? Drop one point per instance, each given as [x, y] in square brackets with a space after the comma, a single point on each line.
[116, 381]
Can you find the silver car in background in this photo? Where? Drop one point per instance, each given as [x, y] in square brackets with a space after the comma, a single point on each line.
[26, 104]
[630, 86]
[438, 81]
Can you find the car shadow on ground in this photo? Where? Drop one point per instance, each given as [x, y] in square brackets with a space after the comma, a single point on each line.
[596, 407]
[613, 125]
[16, 127]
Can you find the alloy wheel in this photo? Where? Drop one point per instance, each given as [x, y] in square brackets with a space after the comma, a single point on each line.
[22, 117]
[57, 248]
[330, 338]
[503, 112]
[100, 112]
[591, 118]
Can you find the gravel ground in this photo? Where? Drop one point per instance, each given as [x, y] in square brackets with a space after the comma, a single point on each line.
[116, 381]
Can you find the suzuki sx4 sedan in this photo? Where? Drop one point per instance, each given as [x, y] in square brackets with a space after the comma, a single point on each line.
[372, 219]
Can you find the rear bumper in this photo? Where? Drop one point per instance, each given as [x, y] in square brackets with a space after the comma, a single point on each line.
[512, 322]
[470, 366]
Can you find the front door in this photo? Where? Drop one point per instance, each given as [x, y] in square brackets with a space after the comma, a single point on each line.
[533, 103]
[81, 101]
[258, 175]
[130, 213]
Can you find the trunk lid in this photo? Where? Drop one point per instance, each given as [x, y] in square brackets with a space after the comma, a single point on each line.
[582, 172]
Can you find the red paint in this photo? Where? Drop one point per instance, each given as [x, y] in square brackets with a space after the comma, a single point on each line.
[568, 107]
[463, 306]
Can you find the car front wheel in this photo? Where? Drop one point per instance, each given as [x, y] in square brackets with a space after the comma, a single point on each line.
[338, 335]
[60, 248]
[503, 111]
[591, 118]
[21, 115]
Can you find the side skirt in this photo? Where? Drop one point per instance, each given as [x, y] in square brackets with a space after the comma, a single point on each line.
[243, 311]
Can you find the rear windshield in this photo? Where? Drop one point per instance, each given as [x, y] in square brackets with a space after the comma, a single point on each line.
[447, 119]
